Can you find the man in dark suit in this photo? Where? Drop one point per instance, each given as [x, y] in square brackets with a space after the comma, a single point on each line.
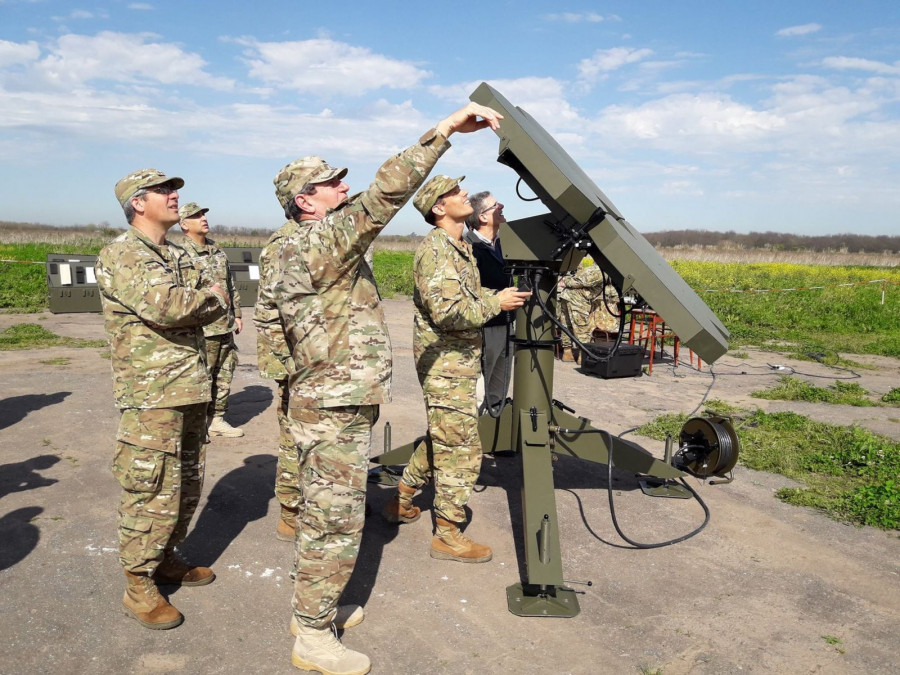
[496, 359]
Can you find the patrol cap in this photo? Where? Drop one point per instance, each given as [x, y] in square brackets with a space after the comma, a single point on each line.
[190, 210]
[433, 190]
[141, 180]
[302, 172]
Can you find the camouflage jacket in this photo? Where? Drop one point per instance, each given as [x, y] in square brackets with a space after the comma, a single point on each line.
[327, 296]
[450, 307]
[272, 349]
[154, 308]
[214, 263]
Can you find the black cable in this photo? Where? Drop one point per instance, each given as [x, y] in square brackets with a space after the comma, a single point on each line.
[612, 506]
[519, 194]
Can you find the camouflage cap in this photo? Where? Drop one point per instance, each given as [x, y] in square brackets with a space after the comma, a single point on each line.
[433, 190]
[190, 210]
[302, 172]
[141, 180]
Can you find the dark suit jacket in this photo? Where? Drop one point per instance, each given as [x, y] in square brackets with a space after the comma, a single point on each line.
[490, 267]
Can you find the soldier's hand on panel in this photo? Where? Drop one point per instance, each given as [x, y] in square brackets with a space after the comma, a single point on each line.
[466, 120]
[512, 298]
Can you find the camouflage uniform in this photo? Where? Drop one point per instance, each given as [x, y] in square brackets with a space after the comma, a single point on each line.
[450, 309]
[342, 357]
[582, 307]
[154, 306]
[274, 359]
[221, 351]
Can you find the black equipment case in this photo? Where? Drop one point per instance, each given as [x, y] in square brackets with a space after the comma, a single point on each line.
[626, 362]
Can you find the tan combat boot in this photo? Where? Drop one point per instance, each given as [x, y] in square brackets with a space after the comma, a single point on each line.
[219, 427]
[400, 508]
[286, 530]
[568, 355]
[449, 543]
[174, 570]
[143, 602]
[346, 616]
[319, 649]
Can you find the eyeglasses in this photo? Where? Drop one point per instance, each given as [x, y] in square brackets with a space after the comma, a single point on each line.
[495, 205]
[162, 189]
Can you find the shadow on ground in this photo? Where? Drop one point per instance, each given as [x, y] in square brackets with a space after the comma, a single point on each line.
[16, 408]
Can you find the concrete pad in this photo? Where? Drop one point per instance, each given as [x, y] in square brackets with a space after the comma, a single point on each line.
[757, 591]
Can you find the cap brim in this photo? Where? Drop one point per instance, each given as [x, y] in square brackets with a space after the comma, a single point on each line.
[176, 182]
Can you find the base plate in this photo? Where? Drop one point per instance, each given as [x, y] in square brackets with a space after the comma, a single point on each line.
[555, 602]
[658, 488]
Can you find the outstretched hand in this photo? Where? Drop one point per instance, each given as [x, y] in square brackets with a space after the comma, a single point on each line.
[468, 119]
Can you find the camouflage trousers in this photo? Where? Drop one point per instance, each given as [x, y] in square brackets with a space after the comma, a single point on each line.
[159, 463]
[576, 316]
[287, 473]
[455, 459]
[221, 360]
[333, 448]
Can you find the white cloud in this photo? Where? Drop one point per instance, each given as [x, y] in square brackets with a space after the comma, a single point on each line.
[804, 29]
[684, 120]
[140, 6]
[605, 61]
[13, 53]
[544, 98]
[575, 17]
[124, 57]
[867, 65]
[324, 66]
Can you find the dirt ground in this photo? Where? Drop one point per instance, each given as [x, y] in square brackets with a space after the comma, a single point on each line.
[765, 588]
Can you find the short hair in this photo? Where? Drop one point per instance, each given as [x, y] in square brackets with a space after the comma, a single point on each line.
[291, 210]
[129, 209]
[476, 201]
[429, 217]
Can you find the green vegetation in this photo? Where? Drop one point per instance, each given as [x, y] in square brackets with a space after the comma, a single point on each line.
[794, 389]
[33, 336]
[393, 272]
[835, 318]
[893, 396]
[848, 472]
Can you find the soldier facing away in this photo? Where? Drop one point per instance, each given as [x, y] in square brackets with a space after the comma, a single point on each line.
[582, 307]
[340, 370]
[450, 309]
[221, 351]
[155, 304]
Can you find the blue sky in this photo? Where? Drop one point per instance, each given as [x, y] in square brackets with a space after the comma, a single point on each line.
[711, 115]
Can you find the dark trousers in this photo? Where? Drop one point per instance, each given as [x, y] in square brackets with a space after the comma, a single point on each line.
[496, 366]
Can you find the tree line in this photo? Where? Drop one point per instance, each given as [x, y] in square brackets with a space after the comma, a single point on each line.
[775, 241]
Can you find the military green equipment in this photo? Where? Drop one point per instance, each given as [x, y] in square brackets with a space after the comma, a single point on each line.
[244, 265]
[580, 220]
[71, 285]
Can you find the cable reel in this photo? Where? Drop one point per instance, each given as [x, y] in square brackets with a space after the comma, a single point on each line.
[707, 446]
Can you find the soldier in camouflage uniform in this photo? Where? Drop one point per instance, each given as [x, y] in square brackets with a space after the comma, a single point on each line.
[221, 351]
[582, 307]
[341, 369]
[155, 304]
[274, 359]
[451, 307]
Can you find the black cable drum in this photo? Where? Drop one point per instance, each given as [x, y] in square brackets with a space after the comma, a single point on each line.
[707, 447]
